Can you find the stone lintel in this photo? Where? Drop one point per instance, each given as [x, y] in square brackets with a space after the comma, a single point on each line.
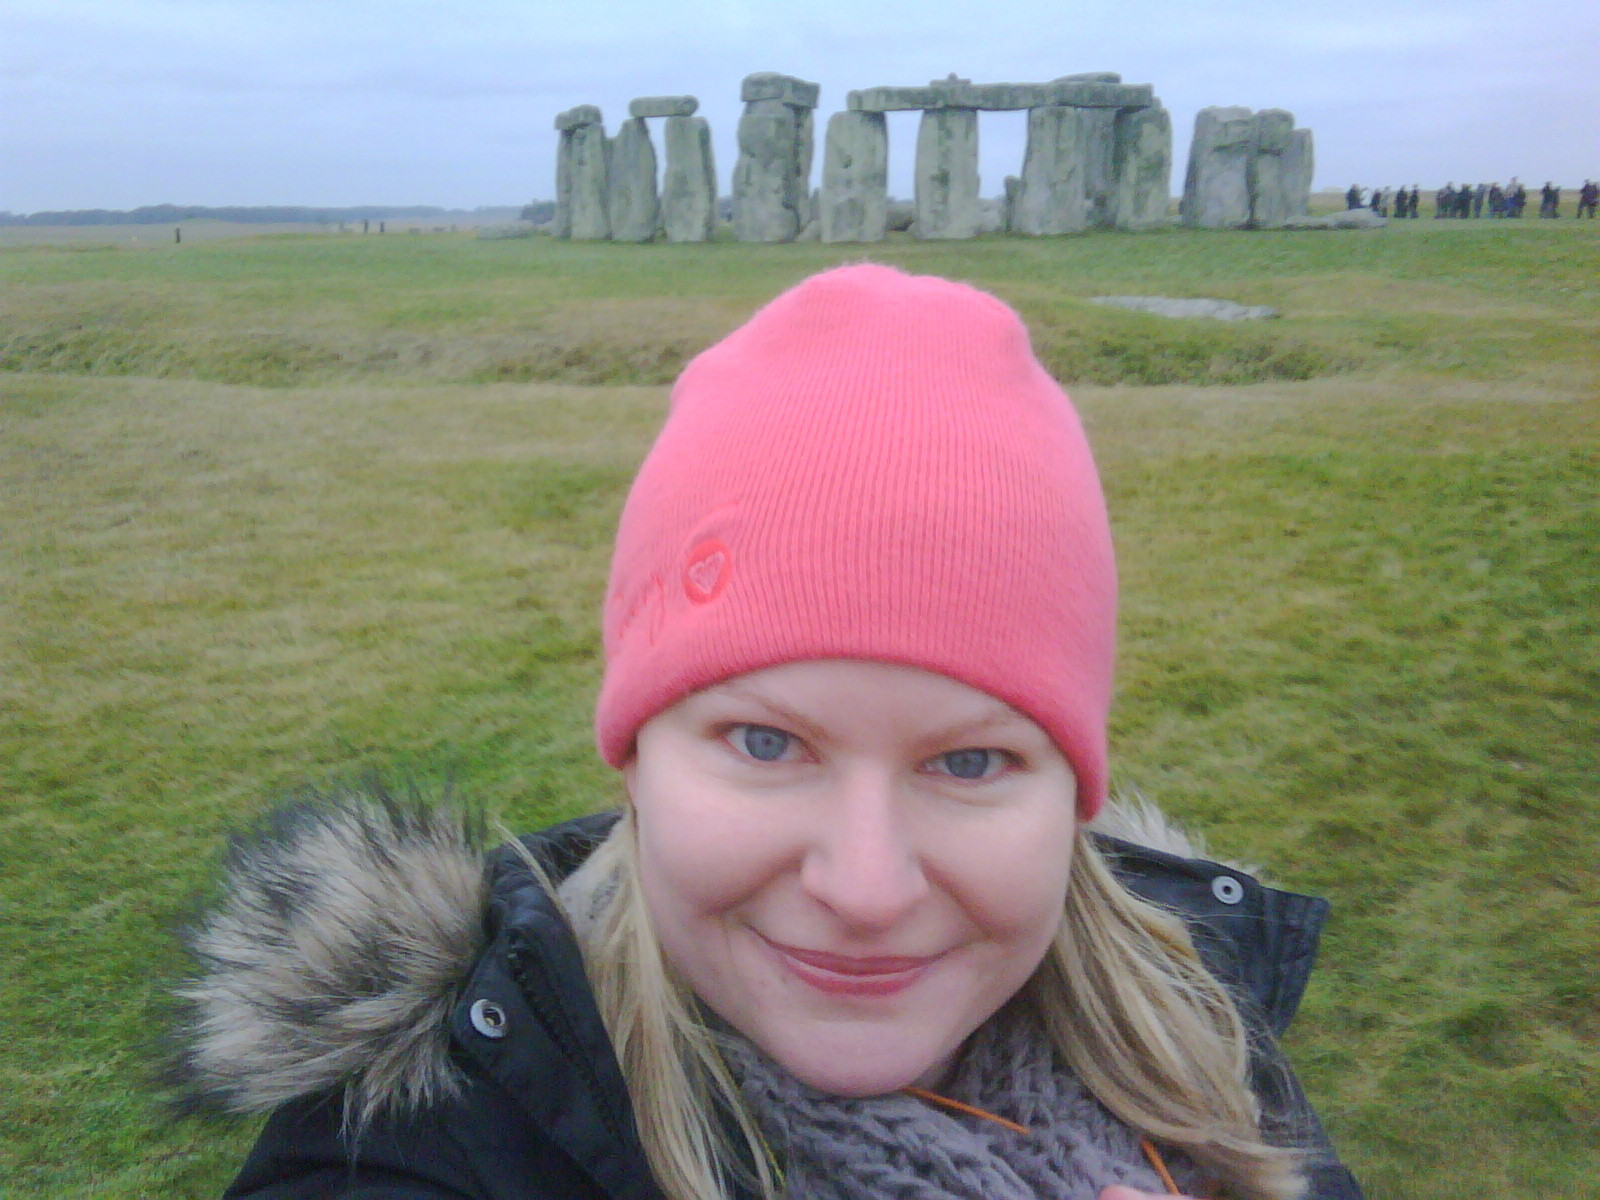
[770, 85]
[663, 106]
[1003, 97]
[576, 118]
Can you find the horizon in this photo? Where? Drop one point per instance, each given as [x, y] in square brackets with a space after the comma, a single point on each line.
[299, 102]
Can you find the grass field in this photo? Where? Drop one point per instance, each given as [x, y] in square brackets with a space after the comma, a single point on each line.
[286, 509]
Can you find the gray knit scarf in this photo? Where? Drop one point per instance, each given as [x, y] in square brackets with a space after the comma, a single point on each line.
[896, 1147]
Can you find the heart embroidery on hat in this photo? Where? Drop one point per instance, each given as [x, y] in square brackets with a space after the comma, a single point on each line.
[706, 572]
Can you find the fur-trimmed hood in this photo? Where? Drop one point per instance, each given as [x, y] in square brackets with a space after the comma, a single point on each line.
[348, 926]
[345, 929]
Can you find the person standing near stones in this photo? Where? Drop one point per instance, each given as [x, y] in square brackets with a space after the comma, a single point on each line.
[1497, 201]
[850, 934]
[1352, 198]
[1444, 201]
[1588, 197]
[1549, 201]
[1376, 203]
[1478, 194]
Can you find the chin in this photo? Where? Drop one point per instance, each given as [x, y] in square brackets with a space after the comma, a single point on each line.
[856, 1076]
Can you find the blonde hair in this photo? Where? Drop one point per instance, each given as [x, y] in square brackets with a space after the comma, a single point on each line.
[1125, 999]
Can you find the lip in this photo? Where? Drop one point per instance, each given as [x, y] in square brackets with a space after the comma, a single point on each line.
[849, 975]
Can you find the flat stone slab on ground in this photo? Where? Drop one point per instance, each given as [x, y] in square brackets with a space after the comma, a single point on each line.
[663, 106]
[1345, 218]
[1169, 306]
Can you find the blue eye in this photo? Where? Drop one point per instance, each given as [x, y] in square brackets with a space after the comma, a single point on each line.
[971, 764]
[762, 742]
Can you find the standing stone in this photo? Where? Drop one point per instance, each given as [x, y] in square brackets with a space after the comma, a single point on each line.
[581, 129]
[1008, 212]
[632, 203]
[1269, 184]
[1099, 171]
[1142, 168]
[561, 222]
[763, 179]
[771, 180]
[947, 173]
[1216, 186]
[1298, 162]
[689, 189]
[1051, 198]
[587, 169]
[855, 178]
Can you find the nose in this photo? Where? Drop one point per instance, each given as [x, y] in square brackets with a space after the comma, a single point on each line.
[863, 861]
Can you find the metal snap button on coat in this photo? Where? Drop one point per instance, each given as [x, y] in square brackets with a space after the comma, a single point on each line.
[1227, 889]
[489, 1019]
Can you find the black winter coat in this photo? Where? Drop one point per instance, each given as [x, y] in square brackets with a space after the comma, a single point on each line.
[471, 1053]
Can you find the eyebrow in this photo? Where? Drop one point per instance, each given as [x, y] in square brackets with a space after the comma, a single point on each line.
[1000, 716]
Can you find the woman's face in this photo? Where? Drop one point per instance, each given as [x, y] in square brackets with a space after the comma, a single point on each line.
[852, 863]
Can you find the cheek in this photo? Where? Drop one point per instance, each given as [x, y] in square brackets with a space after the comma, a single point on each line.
[697, 857]
[1016, 889]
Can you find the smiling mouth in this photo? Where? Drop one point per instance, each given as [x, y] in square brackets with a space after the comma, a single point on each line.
[845, 975]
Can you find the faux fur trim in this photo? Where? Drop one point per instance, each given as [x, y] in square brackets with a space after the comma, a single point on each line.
[347, 925]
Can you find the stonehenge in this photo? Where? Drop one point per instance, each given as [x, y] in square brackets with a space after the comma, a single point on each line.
[1247, 170]
[1098, 156]
[771, 188]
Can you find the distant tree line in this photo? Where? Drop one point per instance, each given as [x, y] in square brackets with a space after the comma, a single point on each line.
[169, 214]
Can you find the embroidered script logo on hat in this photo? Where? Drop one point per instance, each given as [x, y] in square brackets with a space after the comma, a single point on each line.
[706, 571]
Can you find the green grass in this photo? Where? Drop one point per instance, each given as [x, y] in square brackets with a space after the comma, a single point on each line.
[286, 509]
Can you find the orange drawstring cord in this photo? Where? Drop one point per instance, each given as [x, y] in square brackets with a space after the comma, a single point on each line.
[1145, 1144]
[956, 1106]
[1154, 1156]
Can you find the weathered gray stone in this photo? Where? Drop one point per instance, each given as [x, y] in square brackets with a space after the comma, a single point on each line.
[1089, 77]
[561, 223]
[1103, 95]
[663, 106]
[1299, 160]
[1099, 165]
[1169, 306]
[1003, 97]
[1216, 186]
[1013, 190]
[589, 152]
[771, 180]
[805, 146]
[902, 216]
[1051, 197]
[947, 174]
[1270, 200]
[766, 176]
[1344, 218]
[576, 118]
[1142, 168]
[855, 178]
[770, 85]
[631, 199]
[1274, 127]
[689, 185]
[992, 214]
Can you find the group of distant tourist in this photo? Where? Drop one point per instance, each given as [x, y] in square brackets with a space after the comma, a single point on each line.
[1468, 201]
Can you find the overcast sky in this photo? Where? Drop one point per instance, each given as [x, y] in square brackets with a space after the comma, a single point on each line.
[340, 102]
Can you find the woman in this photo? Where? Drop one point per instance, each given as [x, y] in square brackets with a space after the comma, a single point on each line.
[848, 936]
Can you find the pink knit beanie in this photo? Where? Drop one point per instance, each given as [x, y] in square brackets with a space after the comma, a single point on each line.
[874, 467]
